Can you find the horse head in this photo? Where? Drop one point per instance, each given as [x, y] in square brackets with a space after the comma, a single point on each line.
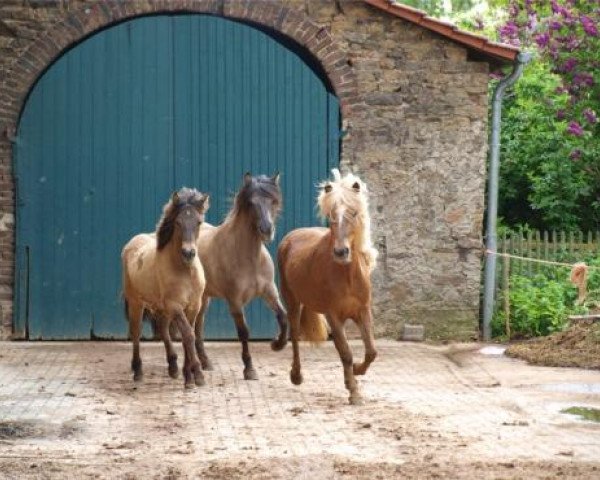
[260, 197]
[343, 203]
[181, 220]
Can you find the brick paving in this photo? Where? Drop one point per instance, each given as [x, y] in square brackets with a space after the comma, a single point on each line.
[74, 407]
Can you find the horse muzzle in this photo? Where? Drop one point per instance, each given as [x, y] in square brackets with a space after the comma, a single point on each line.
[266, 233]
[341, 255]
[188, 254]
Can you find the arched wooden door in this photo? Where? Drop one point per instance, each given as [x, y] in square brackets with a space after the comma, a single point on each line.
[134, 112]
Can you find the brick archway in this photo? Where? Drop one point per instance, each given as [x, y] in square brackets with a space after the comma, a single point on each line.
[77, 24]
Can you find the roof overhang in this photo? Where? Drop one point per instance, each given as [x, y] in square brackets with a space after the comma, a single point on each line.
[496, 52]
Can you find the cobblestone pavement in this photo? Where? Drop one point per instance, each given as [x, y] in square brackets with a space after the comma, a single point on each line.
[71, 410]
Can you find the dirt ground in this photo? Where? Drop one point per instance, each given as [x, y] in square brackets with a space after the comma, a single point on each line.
[71, 410]
[578, 346]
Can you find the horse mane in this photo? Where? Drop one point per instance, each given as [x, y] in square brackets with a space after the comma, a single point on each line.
[261, 183]
[343, 192]
[166, 225]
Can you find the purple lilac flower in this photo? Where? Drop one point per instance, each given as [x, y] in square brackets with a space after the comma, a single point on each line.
[589, 26]
[532, 21]
[575, 155]
[513, 10]
[575, 129]
[572, 43]
[542, 39]
[555, 25]
[590, 115]
[583, 80]
[560, 114]
[569, 65]
[510, 30]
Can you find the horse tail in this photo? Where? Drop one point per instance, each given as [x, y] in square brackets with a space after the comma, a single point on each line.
[313, 326]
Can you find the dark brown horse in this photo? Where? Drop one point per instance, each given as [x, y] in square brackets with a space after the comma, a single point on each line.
[237, 264]
[162, 275]
[327, 271]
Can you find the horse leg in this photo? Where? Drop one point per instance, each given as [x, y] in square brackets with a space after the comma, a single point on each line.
[237, 312]
[169, 348]
[135, 313]
[271, 297]
[199, 328]
[294, 317]
[341, 345]
[192, 373]
[365, 325]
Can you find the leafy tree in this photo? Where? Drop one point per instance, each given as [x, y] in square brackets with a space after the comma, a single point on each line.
[551, 135]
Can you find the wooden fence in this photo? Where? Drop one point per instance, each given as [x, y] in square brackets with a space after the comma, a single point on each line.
[568, 248]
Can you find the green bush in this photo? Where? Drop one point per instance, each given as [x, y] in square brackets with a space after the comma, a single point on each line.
[538, 306]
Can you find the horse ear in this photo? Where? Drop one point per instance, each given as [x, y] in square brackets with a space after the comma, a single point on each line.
[247, 178]
[175, 198]
[205, 202]
[328, 188]
[275, 178]
[356, 187]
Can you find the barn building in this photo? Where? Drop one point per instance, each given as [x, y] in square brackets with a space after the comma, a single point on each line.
[108, 106]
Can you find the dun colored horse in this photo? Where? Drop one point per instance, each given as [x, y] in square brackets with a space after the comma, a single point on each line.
[326, 271]
[162, 274]
[237, 264]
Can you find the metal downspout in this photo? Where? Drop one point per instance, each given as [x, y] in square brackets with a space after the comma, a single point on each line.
[493, 174]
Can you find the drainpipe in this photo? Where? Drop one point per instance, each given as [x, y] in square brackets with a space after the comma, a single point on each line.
[492, 200]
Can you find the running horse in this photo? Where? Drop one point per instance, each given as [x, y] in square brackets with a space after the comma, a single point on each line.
[238, 266]
[327, 272]
[163, 276]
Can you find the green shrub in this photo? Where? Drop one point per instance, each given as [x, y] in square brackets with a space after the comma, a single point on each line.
[538, 306]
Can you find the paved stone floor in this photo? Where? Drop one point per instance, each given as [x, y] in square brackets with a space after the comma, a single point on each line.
[71, 410]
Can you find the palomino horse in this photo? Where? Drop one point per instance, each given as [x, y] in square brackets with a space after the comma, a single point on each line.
[327, 271]
[237, 264]
[162, 274]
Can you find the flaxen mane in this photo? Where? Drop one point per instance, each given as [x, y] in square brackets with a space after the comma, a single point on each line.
[351, 192]
[166, 224]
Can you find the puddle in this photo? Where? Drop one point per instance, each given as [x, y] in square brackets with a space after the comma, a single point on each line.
[573, 387]
[590, 414]
[492, 350]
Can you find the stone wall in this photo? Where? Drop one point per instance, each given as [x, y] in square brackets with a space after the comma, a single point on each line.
[415, 107]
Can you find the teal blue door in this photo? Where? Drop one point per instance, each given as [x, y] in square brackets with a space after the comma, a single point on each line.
[134, 112]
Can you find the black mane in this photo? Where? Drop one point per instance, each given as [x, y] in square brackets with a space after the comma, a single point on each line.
[263, 185]
[186, 197]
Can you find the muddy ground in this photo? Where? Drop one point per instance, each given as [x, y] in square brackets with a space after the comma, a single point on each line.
[71, 410]
[577, 346]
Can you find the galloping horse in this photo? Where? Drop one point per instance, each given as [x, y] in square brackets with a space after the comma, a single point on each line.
[162, 274]
[237, 264]
[326, 271]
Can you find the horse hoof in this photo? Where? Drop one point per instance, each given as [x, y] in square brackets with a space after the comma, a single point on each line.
[278, 344]
[207, 365]
[250, 374]
[296, 378]
[356, 400]
[199, 381]
[189, 386]
[173, 371]
[358, 369]
[138, 376]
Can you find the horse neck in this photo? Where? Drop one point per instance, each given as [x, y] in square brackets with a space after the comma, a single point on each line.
[241, 229]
